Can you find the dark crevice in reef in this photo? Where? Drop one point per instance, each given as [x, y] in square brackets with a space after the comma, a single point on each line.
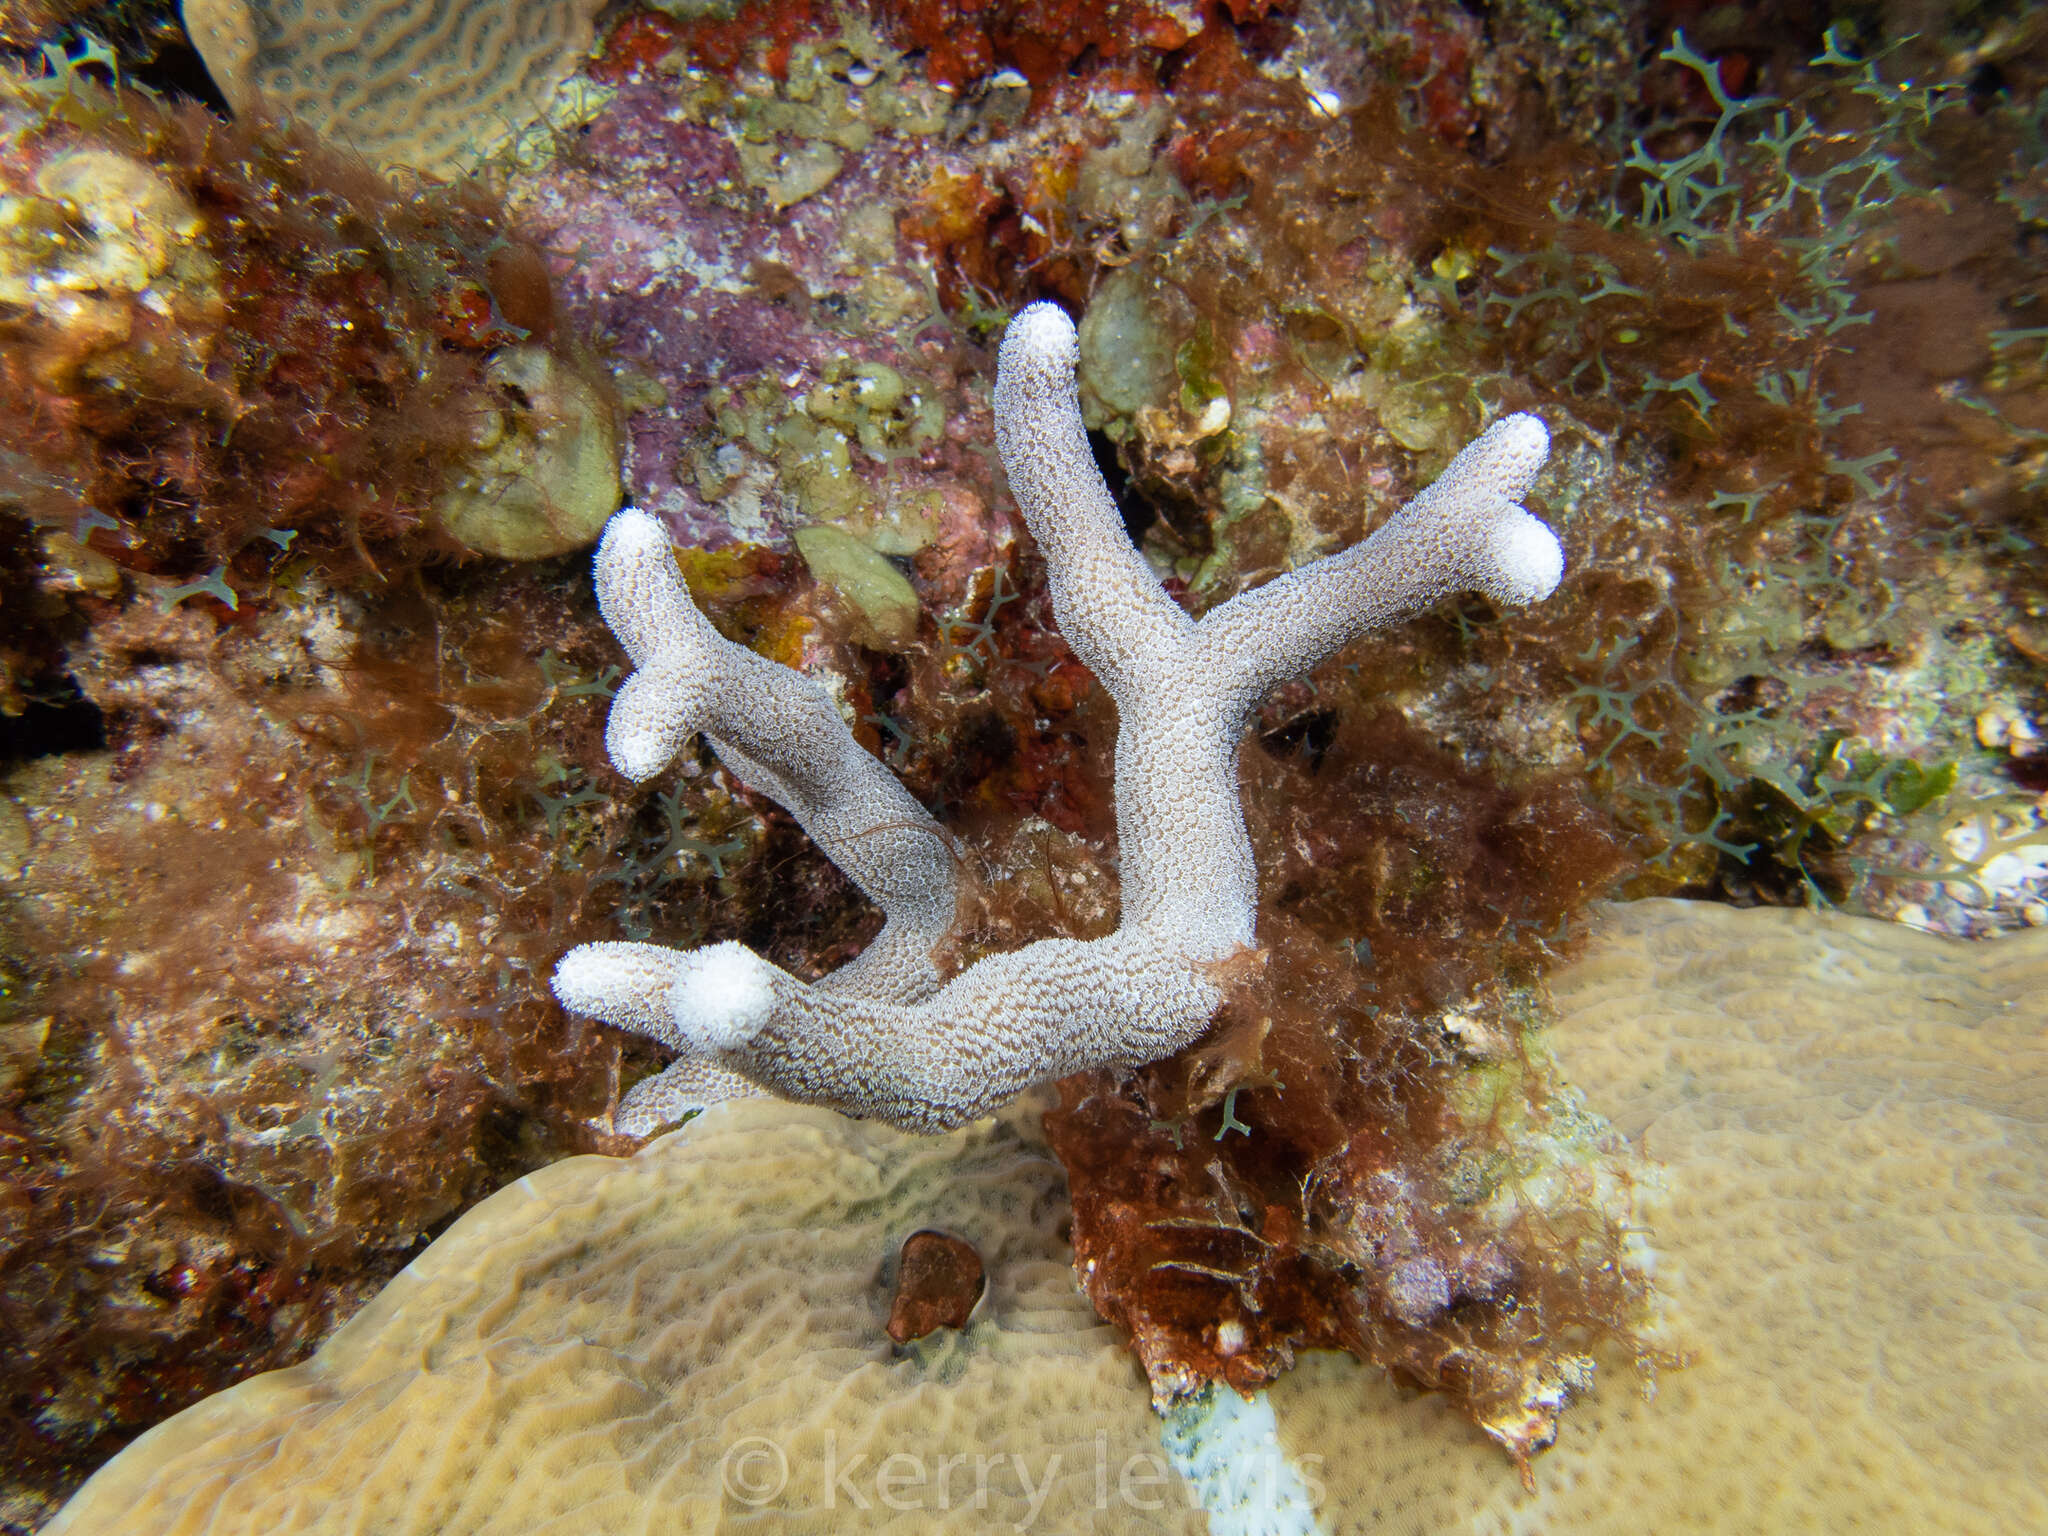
[147, 40]
[1138, 513]
[57, 720]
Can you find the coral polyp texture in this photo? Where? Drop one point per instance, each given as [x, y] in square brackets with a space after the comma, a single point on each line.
[414, 83]
[884, 1038]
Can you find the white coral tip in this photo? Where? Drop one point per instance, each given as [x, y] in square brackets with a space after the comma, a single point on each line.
[723, 996]
[639, 589]
[585, 982]
[1507, 456]
[645, 729]
[632, 535]
[1527, 559]
[1524, 439]
[1040, 335]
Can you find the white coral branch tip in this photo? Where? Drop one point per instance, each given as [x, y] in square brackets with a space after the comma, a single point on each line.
[723, 996]
[624, 984]
[1528, 561]
[674, 650]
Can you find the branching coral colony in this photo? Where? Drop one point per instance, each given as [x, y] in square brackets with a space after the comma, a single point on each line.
[884, 1037]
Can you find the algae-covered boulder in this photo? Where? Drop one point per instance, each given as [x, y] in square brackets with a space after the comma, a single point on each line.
[881, 597]
[1129, 338]
[545, 475]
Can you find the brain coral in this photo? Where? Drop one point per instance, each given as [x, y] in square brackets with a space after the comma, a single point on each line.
[1851, 1230]
[425, 83]
[684, 1340]
[1853, 1239]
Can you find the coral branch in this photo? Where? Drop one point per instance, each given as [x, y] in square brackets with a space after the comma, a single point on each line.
[1109, 606]
[881, 1038]
[1466, 533]
[779, 733]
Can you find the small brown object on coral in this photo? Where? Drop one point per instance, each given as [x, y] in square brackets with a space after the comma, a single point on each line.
[939, 1278]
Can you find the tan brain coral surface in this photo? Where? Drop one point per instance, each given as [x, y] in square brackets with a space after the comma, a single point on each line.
[1852, 1236]
[691, 1339]
[1852, 1232]
[430, 84]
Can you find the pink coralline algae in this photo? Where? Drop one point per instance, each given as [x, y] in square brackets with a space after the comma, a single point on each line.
[740, 310]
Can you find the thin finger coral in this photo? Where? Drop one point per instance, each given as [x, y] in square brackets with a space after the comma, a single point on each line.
[883, 1038]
